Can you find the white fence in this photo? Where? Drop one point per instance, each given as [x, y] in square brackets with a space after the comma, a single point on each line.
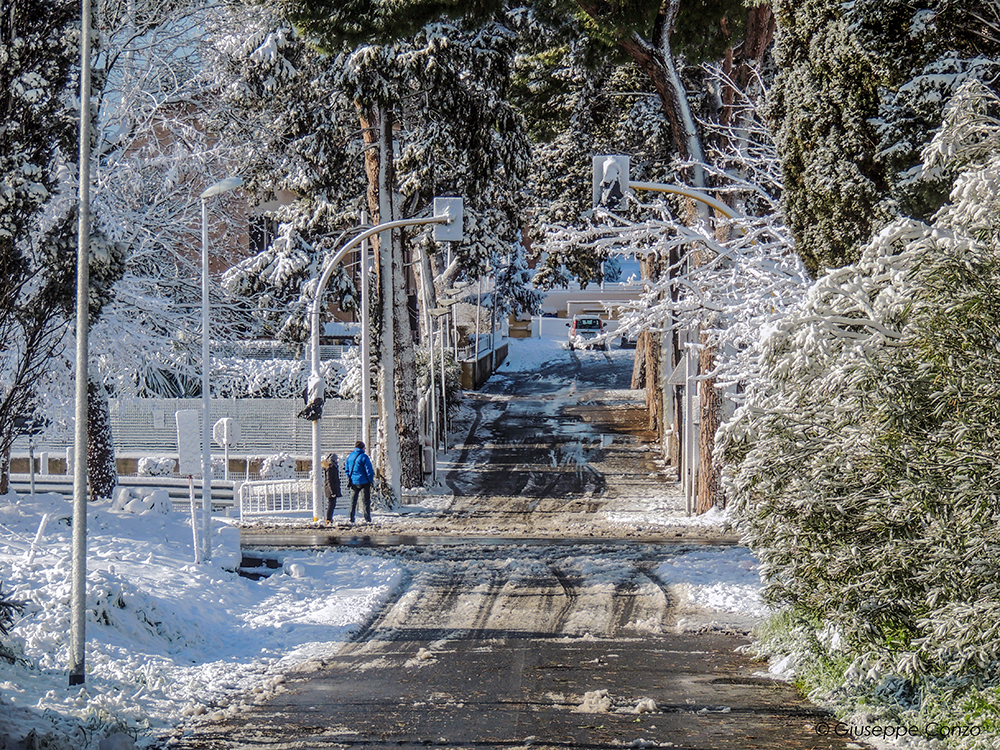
[276, 497]
[147, 425]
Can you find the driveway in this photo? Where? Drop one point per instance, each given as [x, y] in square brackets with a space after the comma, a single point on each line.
[547, 600]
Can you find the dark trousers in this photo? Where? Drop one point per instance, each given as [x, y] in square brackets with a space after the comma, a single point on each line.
[331, 506]
[367, 507]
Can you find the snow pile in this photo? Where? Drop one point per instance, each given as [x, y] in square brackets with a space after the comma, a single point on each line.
[724, 580]
[165, 638]
[595, 702]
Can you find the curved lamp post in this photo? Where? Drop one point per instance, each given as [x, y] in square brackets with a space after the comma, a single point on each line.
[448, 213]
[610, 183]
[230, 183]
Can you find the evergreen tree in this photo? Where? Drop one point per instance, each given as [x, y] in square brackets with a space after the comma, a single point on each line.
[862, 464]
[456, 135]
[37, 48]
[855, 101]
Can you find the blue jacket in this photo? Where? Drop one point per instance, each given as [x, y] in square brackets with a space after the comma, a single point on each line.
[358, 468]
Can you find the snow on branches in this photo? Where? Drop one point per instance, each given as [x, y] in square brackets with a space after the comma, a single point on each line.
[862, 468]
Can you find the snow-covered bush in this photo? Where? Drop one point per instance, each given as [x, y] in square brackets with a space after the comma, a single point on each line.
[278, 466]
[862, 467]
[156, 466]
[237, 377]
[141, 500]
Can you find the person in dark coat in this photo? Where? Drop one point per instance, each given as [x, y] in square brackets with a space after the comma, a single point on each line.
[331, 483]
[360, 476]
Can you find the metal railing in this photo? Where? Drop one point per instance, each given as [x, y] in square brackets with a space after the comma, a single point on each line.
[275, 497]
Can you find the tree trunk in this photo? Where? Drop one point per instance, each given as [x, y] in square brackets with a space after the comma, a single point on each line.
[102, 470]
[398, 463]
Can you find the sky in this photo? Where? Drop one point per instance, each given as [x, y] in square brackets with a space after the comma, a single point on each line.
[171, 642]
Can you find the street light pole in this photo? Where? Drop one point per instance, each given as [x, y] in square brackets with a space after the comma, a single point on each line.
[366, 338]
[78, 597]
[448, 214]
[206, 400]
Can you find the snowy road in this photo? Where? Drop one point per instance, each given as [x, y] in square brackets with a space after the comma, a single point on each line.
[617, 641]
[507, 646]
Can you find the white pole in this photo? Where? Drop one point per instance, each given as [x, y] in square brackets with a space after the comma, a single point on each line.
[442, 325]
[690, 434]
[206, 396]
[194, 521]
[206, 366]
[78, 596]
[430, 368]
[36, 544]
[366, 354]
[479, 307]
[317, 481]
[452, 316]
[317, 471]
[31, 462]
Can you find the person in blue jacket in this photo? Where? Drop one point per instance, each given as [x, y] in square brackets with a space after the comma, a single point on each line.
[360, 476]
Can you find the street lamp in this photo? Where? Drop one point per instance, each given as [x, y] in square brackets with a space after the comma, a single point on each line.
[78, 593]
[230, 183]
[448, 215]
[611, 181]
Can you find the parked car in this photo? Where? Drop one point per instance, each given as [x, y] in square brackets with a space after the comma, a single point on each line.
[628, 340]
[584, 331]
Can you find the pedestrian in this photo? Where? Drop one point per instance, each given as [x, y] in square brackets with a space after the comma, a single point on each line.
[360, 475]
[331, 483]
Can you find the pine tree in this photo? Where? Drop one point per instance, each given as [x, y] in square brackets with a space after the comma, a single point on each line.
[456, 135]
[37, 49]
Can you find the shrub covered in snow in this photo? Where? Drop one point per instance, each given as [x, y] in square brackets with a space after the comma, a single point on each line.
[863, 463]
[156, 466]
[278, 466]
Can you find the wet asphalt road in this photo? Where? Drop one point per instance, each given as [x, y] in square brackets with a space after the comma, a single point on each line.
[563, 642]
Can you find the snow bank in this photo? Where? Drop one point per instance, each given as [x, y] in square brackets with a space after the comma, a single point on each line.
[166, 638]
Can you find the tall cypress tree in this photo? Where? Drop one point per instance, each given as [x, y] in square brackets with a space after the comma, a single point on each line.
[37, 48]
[858, 94]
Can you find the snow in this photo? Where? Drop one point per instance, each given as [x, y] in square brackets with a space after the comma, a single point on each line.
[722, 581]
[170, 641]
[166, 639]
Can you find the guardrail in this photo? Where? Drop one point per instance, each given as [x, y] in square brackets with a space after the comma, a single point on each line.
[177, 487]
[275, 497]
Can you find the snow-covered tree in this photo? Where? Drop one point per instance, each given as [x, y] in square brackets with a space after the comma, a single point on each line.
[152, 155]
[37, 48]
[861, 464]
[443, 85]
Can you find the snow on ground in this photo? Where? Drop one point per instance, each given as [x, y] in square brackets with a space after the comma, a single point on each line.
[719, 587]
[166, 639]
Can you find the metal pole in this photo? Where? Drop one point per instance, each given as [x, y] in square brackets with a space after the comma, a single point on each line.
[78, 596]
[479, 307]
[442, 324]
[366, 363]
[493, 327]
[206, 396]
[206, 367]
[430, 369]
[452, 316]
[31, 462]
[317, 480]
[317, 471]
